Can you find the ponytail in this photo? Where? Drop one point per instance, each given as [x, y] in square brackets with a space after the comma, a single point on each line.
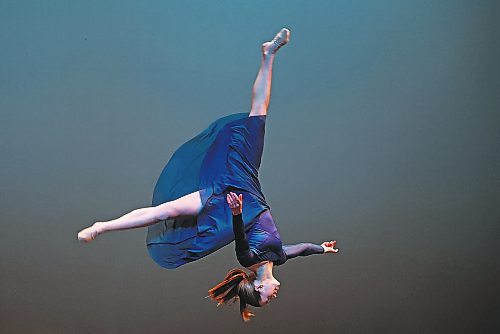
[236, 285]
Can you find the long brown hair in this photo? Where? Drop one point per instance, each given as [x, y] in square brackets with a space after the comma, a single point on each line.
[237, 285]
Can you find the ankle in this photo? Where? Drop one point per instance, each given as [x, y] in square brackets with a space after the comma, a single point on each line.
[268, 55]
[99, 227]
[268, 51]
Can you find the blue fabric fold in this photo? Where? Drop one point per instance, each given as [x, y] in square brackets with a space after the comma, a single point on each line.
[224, 157]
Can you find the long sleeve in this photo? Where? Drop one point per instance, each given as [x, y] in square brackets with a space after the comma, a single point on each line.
[240, 237]
[302, 249]
[243, 253]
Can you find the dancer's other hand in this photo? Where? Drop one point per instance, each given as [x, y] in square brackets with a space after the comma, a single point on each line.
[329, 246]
[235, 203]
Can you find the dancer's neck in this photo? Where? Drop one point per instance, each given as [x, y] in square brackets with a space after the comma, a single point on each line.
[264, 271]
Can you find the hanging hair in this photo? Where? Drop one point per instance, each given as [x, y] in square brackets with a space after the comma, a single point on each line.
[237, 285]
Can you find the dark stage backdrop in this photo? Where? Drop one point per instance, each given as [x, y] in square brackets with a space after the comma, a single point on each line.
[383, 133]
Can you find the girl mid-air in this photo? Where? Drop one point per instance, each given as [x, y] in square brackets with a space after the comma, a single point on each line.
[199, 198]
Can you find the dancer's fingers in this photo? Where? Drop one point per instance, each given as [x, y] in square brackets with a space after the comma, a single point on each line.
[236, 199]
[231, 203]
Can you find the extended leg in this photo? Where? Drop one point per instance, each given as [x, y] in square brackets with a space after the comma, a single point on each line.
[262, 86]
[189, 205]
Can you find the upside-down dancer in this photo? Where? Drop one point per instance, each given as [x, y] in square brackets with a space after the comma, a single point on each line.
[198, 202]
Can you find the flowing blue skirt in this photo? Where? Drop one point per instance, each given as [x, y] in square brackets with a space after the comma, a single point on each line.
[224, 157]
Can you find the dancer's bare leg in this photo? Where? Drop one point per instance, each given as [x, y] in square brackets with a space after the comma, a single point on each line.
[189, 205]
[262, 86]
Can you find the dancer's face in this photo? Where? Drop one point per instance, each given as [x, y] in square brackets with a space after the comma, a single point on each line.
[268, 290]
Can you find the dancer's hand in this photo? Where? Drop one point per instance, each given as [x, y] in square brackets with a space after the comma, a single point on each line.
[329, 246]
[235, 203]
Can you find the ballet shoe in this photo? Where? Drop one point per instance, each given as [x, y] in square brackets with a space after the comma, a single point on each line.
[277, 42]
[88, 234]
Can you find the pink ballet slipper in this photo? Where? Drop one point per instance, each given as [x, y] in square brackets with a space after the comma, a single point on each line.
[277, 42]
[88, 234]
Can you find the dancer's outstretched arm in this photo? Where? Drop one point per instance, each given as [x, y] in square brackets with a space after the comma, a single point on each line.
[306, 248]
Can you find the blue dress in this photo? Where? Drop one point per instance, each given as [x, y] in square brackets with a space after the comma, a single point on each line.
[224, 157]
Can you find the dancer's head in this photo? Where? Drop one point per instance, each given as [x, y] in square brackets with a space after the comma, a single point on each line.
[239, 285]
[267, 289]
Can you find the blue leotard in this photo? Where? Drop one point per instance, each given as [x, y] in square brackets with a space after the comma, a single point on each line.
[262, 242]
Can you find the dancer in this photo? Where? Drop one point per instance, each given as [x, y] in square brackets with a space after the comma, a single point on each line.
[195, 208]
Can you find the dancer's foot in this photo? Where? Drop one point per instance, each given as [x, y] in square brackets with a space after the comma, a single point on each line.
[281, 38]
[90, 233]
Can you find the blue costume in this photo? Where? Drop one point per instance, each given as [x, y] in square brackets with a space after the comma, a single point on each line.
[262, 242]
[225, 157]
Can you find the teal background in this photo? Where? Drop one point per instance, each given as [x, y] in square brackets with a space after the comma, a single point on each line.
[383, 133]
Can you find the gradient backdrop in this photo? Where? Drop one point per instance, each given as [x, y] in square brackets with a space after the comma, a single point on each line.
[384, 134]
